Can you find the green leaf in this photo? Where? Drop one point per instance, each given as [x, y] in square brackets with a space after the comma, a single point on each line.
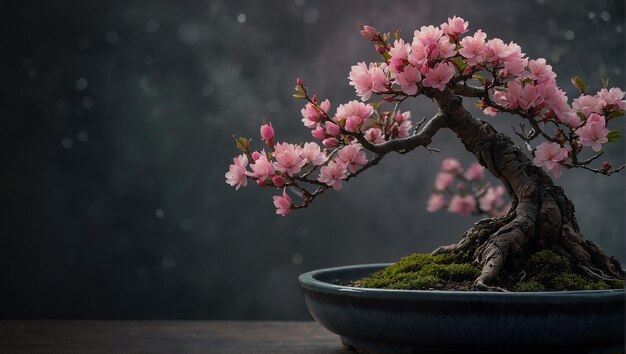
[581, 116]
[480, 78]
[614, 115]
[460, 64]
[605, 83]
[243, 143]
[580, 84]
[613, 135]
[298, 95]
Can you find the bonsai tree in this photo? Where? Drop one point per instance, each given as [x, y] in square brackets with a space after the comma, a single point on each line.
[447, 65]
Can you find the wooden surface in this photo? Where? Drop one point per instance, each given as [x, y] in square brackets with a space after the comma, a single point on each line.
[77, 336]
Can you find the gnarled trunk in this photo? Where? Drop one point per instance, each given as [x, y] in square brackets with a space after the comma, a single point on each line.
[541, 216]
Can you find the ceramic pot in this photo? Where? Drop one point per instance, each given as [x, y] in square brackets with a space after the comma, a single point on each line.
[408, 321]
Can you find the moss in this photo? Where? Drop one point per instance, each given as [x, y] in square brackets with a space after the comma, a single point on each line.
[422, 271]
[545, 271]
[530, 285]
[554, 273]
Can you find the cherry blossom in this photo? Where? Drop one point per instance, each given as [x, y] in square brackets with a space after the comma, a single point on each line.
[267, 133]
[353, 156]
[439, 76]
[550, 156]
[283, 203]
[451, 165]
[475, 172]
[435, 202]
[462, 205]
[367, 80]
[587, 104]
[613, 99]
[288, 158]
[311, 153]
[474, 48]
[455, 26]
[594, 132]
[312, 115]
[333, 174]
[492, 199]
[443, 181]
[262, 168]
[408, 80]
[236, 175]
[355, 113]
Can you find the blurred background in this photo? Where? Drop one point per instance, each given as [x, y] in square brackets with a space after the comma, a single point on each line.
[117, 123]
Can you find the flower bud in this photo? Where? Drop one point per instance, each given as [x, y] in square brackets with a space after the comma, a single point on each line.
[256, 155]
[278, 181]
[261, 183]
[380, 50]
[329, 143]
[318, 132]
[332, 129]
[368, 32]
[267, 133]
[299, 82]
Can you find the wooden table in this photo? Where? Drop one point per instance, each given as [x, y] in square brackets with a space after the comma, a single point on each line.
[79, 336]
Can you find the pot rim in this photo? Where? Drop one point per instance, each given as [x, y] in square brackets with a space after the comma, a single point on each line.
[310, 280]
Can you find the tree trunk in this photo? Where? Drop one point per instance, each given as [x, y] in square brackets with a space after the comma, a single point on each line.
[541, 216]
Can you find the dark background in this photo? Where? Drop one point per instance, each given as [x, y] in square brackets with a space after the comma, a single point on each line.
[116, 125]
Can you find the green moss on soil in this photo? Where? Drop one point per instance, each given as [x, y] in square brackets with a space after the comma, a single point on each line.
[545, 271]
[424, 272]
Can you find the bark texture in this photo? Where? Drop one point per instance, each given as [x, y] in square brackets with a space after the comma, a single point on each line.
[541, 216]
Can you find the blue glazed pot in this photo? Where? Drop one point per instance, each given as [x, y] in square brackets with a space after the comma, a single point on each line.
[411, 321]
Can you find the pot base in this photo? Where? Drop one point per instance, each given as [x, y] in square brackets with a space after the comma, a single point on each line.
[418, 321]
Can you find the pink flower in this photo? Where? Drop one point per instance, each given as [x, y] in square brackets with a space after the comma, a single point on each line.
[403, 128]
[262, 168]
[369, 32]
[455, 27]
[587, 104]
[451, 165]
[435, 202]
[236, 175]
[333, 174]
[427, 35]
[445, 49]
[408, 79]
[330, 142]
[367, 80]
[439, 76]
[443, 181]
[356, 109]
[515, 62]
[399, 54]
[474, 48]
[318, 132]
[497, 50]
[353, 156]
[613, 99]
[462, 205]
[278, 181]
[510, 98]
[475, 172]
[550, 156]
[267, 133]
[492, 199]
[529, 97]
[283, 203]
[332, 129]
[288, 158]
[594, 132]
[374, 135]
[311, 153]
[540, 71]
[312, 115]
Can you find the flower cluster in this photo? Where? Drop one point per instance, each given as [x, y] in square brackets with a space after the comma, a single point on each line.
[445, 55]
[285, 165]
[439, 60]
[466, 192]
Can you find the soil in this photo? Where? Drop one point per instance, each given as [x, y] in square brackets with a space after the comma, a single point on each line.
[543, 271]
